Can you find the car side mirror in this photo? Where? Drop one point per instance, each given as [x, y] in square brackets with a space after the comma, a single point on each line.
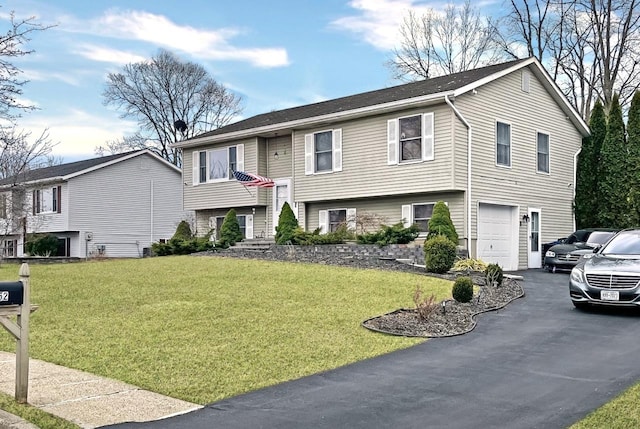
[597, 247]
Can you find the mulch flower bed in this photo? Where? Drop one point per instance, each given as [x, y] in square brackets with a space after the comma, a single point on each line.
[451, 317]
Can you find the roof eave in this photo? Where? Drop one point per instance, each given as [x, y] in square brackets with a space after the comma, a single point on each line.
[306, 122]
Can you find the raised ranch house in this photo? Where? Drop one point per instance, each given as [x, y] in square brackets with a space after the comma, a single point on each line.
[112, 206]
[498, 144]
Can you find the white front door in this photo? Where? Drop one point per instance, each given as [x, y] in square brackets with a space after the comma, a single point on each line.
[281, 194]
[535, 256]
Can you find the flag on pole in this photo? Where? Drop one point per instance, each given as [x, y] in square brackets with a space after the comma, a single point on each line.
[248, 179]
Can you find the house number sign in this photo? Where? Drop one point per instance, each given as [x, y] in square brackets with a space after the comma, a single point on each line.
[4, 295]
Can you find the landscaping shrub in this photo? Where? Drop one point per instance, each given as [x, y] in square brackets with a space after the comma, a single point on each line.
[183, 231]
[425, 305]
[287, 225]
[441, 224]
[338, 236]
[42, 245]
[230, 232]
[439, 254]
[469, 265]
[493, 274]
[463, 289]
[394, 234]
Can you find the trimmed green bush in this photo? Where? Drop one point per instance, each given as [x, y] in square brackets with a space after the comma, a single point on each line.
[493, 274]
[42, 245]
[230, 232]
[338, 236]
[439, 254]
[179, 246]
[441, 224]
[183, 231]
[394, 234]
[463, 289]
[287, 225]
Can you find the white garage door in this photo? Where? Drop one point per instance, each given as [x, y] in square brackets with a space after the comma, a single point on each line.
[497, 239]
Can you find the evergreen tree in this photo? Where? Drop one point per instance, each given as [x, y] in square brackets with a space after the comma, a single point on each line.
[633, 161]
[287, 224]
[587, 174]
[441, 224]
[183, 231]
[613, 184]
[230, 232]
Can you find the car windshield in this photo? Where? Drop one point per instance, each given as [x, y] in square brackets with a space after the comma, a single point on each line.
[625, 243]
[598, 237]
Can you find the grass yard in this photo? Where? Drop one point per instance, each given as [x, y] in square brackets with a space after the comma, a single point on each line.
[205, 328]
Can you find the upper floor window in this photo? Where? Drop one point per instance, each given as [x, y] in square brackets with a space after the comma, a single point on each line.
[410, 138]
[47, 200]
[503, 144]
[216, 165]
[543, 152]
[323, 152]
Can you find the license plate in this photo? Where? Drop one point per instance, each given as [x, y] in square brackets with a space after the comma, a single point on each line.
[610, 295]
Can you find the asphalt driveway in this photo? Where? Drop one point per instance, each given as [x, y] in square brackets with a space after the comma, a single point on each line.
[539, 363]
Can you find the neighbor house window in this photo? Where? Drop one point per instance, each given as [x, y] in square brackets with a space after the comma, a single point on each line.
[4, 206]
[9, 247]
[543, 153]
[216, 165]
[422, 214]
[323, 152]
[47, 200]
[503, 144]
[410, 138]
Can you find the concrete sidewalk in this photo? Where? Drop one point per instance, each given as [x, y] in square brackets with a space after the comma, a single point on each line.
[85, 399]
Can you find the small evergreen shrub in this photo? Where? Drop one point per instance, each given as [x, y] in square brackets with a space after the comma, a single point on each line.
[394, 234]
[230, 232]
[463, 289]
[439, 254]
[287, 225]
[425, 305]
[441, 224]
[183, 231]
[178, 246]
[307, 238]
[469, 265]
[493, 274]
[42, 245]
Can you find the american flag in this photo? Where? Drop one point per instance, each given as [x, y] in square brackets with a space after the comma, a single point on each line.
[248, 179]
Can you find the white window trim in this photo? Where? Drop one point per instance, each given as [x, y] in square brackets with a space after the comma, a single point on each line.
[408, 208]
[546, 173]
[195, 168]
[427, 140]
[495, 144]
[323, 218]
[310, 152]
[248, 224]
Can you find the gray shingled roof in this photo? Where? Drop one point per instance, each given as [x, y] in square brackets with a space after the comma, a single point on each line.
[431, 86]
[64, 169]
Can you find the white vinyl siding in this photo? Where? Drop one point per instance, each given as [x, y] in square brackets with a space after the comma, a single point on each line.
[410, 139]
[503, 144]
[323, 152]
[543, 155]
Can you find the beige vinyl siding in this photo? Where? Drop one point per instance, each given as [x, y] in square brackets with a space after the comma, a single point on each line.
[222, 194]
[281, 167]
[521, 185]
[389, 209]
[365, 171]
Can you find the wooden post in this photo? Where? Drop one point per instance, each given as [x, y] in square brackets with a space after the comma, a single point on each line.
[22, 348]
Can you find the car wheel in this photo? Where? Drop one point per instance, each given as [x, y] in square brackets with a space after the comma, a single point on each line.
[551, 268]
[580, 305]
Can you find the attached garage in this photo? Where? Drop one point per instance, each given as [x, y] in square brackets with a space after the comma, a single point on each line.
[498, 235]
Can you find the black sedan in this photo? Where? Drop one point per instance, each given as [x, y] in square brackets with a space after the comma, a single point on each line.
[611, 276]
[565, 256]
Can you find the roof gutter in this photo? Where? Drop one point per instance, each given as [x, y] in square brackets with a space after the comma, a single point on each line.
[469, 140]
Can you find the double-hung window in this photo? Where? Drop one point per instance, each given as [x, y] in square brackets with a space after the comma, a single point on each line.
[323, 152]
[503, 144]
[217, 165]
[331, 220]
[410, 139]
[47, 200]
[245, 222]
[543, 152]
[419, 213]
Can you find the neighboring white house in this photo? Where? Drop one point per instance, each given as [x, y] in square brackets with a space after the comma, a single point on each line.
[112, 206]
[498, 144]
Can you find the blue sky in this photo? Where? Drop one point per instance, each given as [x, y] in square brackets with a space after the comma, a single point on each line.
[274, 54]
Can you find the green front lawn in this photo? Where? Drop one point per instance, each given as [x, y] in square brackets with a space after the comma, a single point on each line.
[206, 328]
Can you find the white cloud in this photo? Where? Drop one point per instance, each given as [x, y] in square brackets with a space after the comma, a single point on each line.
[108, 55]
[36, 75]
[159, 30]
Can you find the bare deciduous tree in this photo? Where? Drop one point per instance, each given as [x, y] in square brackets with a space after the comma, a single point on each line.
[435, 44]
[171, 100]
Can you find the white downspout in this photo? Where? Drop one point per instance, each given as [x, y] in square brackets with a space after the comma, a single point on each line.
[469, 140]
[575, 178]
[151, 214]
